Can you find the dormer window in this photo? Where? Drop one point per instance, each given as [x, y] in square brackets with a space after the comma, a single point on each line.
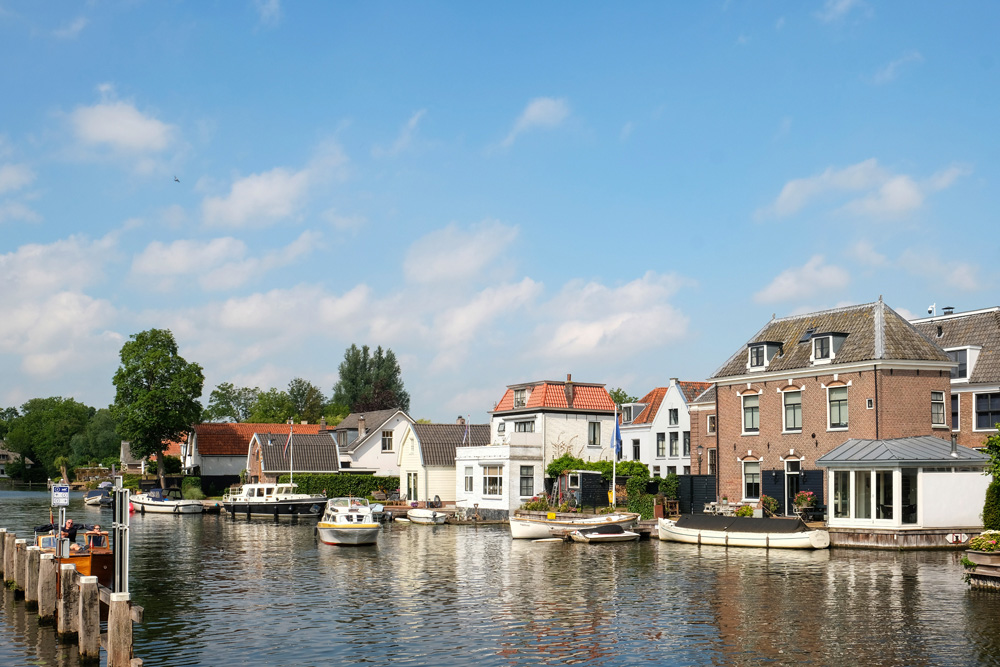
[825, 346]
[760, 354]
[627, 413]
[757, 356]
[821, 348]
[520, 398]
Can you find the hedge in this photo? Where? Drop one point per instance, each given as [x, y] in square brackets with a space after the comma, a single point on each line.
[343, 485]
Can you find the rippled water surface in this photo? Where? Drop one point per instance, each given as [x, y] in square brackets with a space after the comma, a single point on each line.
[219, 592]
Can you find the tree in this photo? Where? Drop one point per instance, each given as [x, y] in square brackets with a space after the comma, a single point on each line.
[307, 400]
[7, 415]
[45, 429]
[157, 391]
[370, 381]
[620, 397]
[272, 407]
[230, 403]
[98, 442]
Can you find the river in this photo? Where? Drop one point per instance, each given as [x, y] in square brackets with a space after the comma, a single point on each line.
[219, 592]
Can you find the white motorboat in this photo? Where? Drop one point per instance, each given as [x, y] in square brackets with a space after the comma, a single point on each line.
[273, 500]
[349, 521]
[427, 517]
[531, 528]
[609, 533]
[731, 531]
[165, 502]
[98, 498]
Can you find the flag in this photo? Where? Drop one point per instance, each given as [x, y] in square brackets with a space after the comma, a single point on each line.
[616, 438]
[465, 436]
[287, 442]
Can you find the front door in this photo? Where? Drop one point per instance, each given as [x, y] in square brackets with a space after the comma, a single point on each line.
[792, 469]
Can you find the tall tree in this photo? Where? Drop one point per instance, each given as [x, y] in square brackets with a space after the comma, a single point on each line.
[620, 397]
[228, 402]
[307, 400]
[98, 443]
[272, 407]
[7, 415]
[45, 429]
[370, 381]
[157, 391]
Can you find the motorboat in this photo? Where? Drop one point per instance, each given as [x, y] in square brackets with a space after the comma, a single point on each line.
[273, 500]
[98, 498]
[349, 521]
[93, 558]
[733, 531]
[610, 533]
[532, 528]
[428, 517]
[167, 501]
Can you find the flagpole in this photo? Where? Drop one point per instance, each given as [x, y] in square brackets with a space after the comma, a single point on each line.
[614, 460]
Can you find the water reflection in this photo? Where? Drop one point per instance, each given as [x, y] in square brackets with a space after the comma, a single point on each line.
[221, 592]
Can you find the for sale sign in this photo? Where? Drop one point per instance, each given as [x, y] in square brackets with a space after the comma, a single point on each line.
[60, 495]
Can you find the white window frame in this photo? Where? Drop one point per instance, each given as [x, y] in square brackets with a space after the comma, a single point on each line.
[710, 424]
[520, 398]
[830, 355]
[469, 484]
[847, 404]
[761, 351]
[527, 426]
[386, 441]
[593, 434]
[493, 472]
[743, 413]
[938, 401]
[502, 427]
[785, 428]
[743, 480]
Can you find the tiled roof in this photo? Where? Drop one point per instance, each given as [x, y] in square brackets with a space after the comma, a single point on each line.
[692, 390]
[652, 401]
[874, 332]
[233, 439]
[552, 395]
[980, 328]
[350, 422]
[924, 449]
[438, 441]
[707, 396]
[308, 452]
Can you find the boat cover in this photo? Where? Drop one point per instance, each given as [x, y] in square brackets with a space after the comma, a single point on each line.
[741, 524]
[610, 529]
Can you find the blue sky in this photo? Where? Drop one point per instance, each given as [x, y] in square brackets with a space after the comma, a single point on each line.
[498, 192]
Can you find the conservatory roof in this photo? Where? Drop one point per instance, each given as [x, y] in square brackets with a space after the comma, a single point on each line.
[921, 450]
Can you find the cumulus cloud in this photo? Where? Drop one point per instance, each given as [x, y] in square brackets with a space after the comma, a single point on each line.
[889, 72]
[15, 210]
[864, 252]
[71, 30]
[259, 199]
[958, 274]
[837, 10]
[541, 112]
[404, 140]
[268, 12]
[34, 270]
[454, 253]
[121, 127]
[459, 325]
[814, 277]
[15, 176]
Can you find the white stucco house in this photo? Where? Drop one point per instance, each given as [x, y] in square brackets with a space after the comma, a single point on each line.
[426, 455]
[533, 424]
[656, 429]
[368, 441]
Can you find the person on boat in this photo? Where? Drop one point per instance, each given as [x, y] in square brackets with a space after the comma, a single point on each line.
[68, 531]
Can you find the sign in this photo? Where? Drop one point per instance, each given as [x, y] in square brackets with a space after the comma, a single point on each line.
[60, 495]
[957, 538]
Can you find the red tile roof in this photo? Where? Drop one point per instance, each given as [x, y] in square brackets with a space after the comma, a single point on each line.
[693, 390]
[229, 439]
[553, 395]
[652, 401]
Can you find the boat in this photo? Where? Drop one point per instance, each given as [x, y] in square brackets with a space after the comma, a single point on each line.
[732, 531]
[348, 521]
[98, 498]
[94, 558]
[273, 500]
[165, 502]
[531, 528]
[427, 517]
[609, 533]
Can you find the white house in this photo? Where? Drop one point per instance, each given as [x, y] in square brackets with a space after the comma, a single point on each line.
[533, 424]
[426, 454]
[656, 430]
[368, 441]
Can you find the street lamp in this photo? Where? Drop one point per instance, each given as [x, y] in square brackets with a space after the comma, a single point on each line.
[701, 452]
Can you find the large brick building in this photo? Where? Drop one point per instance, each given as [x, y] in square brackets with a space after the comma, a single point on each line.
[805, 384]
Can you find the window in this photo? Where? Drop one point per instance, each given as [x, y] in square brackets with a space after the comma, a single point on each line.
[501, 427]
[656, 471]
[468, 479]
[954, 413]
[493, 481]
[594, 434]
[386, 441]
[711, 423]
[687, 443]
[672, 413]
[841, 494]
[524, 427]
[987, 411]
[960, 357]
[751, 480]
[757, 356]
[711, 461]
[838, 407]
[411, 485]
[687, 470]
[673, 444]
[793, 410]
[821, 348]
[751, 413]
[527, 481]
[937, 408]
[627, 413]
[520, 398]
[635, 450]
[661, 445]
[671, 470]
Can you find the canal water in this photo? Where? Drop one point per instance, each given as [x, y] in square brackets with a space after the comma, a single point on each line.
[220, 592]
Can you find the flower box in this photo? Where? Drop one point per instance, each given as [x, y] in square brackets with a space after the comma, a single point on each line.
[984, 557]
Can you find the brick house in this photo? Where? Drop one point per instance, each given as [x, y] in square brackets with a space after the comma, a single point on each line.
[805, 384]
[972, 340]
[703, 432]
[656, 429]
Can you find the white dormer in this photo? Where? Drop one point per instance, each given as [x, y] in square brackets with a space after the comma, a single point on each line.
[966, 358]
[520, 398]
[759, 354]
[825, 346]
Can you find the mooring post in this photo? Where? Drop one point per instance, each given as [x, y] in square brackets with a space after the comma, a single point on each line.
[3, 545]
[68, 601]
[31, 578]
[46, 588]
[89, 622]
[9, 556]
[119, 631]
[20, 563]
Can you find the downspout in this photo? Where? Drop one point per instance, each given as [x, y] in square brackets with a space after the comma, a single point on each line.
[718, 429]
[876, 402]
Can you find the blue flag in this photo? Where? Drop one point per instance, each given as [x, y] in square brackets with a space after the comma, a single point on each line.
[616, 438]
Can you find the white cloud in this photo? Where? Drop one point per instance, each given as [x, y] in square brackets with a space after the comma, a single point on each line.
[14, 210]
[405, 138]
[836, 10]
[121, 127]
[259, 199]
[459, 325]
[344, 223]
[541, 112]
[35, 270]
[864, 252]
[72, 29]
[15, 176]
[890, 71]
[813, 278]
[960, 275]
[268, 12]
[452, 253]
[896, 197]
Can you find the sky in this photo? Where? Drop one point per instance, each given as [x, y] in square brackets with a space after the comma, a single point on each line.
[498, 192]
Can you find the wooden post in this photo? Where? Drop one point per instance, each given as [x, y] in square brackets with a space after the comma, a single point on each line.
[31, 578]
[68, 601]
[8, 556]
[20, 563]
[119, 631]
[3, 544]
[89, 621]
[47, 588]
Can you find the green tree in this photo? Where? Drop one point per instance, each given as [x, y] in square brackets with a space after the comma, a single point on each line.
[307, 400]
[98, 442]
[272, 407]
[45, 429]
[157, 391]
[992, 449]
[620, 397]
[229, 403]
[370, 381]
[7, 415]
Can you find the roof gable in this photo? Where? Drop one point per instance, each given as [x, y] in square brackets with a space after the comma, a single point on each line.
[978, 328]
[307, 452]
[553, 395]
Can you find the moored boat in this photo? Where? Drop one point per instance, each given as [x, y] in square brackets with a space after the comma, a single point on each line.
[165, 502]
[609, 533]
[348, 521]
[730, 531]
[273, 500]
[531, 528]
[97, 498]
[94, 558]
[427, 517]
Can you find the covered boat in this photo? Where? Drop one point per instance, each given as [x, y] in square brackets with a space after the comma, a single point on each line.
[273, 500]
[348, 521]
[732, 531]
[167, 501]
[610, 533]
[426, 516]
[532, 528]
[97, 498]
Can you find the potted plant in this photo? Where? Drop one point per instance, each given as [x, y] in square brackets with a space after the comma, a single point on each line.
[984, 549]
[770, 504]
[804, 499]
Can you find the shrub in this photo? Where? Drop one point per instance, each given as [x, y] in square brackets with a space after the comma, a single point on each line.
[991, 508]
[769, 503]
[638, 500]
[745, 510]
[670, 486]
[987, 541]
[536, 504]
[343, 484]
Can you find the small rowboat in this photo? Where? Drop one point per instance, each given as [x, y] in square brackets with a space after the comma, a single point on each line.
[530, 528]
[609, 533]
[726, 531]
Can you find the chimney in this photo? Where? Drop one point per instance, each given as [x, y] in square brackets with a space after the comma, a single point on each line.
[954, 447]
[948, 310]
[460, 421]
[569, 390]
[361, 426]
[322, 423]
